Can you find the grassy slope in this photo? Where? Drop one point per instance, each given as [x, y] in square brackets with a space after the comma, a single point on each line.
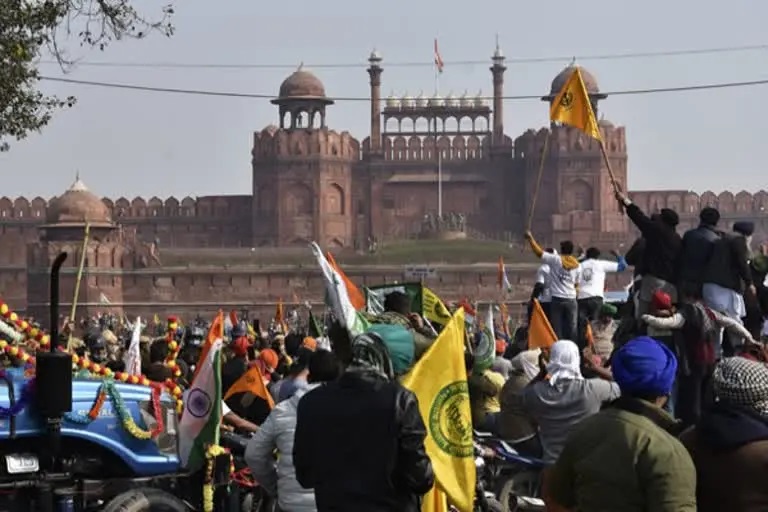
[420, 252]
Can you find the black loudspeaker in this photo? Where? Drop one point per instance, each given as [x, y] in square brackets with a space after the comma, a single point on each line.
[53, 384]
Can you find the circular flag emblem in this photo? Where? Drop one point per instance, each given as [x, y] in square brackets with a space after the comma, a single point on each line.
[198, 403]
[450, 422]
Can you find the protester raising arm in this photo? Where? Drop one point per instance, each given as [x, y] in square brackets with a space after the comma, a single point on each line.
[677, 321]
[566, 261]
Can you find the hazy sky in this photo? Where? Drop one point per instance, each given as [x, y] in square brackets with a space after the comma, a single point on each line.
[145, 143]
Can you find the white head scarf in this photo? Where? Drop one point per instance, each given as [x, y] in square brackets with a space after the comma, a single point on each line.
[527, 362]
[564, 362]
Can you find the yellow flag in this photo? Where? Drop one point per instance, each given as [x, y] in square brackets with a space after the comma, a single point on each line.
[572, 106]
[439, 381]
[435, 501]
[433, 308]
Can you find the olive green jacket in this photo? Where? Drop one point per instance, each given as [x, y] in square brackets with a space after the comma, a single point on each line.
[625, 458]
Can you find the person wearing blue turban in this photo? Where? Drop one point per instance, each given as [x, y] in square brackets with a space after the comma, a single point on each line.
[627, 457]
[645, 368]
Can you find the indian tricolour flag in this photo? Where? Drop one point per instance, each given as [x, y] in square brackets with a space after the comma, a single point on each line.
[337, 295]
[199, 425]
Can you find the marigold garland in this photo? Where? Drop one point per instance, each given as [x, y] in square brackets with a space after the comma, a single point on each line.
[174, 347]
[108, 389]
[99, 371]
[22, 325]
[211, 453]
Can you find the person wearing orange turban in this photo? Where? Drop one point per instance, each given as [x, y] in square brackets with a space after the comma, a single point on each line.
[309, 343]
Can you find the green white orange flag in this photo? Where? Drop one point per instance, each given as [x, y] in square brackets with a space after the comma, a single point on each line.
[199, 425]
[337, 295]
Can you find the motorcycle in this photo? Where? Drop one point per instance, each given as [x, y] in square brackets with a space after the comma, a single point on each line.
[246, 495]
[485, 500]
[516, 477]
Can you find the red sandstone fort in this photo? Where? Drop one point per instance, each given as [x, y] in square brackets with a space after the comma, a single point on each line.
[311, 182]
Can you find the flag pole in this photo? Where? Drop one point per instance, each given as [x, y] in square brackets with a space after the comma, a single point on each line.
[439, 184]
[436, 68]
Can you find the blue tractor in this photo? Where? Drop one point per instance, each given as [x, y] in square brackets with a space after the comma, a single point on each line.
[56, 459]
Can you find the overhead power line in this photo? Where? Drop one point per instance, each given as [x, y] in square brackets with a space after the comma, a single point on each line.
[200, 92]
[426, 63]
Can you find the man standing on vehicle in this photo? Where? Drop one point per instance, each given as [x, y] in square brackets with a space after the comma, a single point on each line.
[564, 278]
[592, 282]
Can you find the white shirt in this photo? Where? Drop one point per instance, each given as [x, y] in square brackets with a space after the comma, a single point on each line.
[543, 277]
[562, 283]
[592, 279]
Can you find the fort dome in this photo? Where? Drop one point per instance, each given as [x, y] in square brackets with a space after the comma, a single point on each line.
[589, 80]
[78, 205]
[302, 84]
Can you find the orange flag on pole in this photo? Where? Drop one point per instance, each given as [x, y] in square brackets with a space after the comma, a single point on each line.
[540, 332]
[216, 332]
[356, 297]
[251, 382]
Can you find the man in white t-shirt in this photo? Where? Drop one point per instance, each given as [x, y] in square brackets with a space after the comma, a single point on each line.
[564, 278]
[592, 282]
[541, 290]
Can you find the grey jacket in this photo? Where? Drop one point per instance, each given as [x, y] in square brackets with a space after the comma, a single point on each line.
[280, 478]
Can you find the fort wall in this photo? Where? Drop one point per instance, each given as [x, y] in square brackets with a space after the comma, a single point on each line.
[189, 291]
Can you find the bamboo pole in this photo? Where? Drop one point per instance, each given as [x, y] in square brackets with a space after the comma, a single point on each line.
[83, 255]
[532, 209]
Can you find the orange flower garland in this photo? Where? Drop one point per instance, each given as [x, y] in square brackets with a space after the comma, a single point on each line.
[44, 340]
[174, 347]
[98, 370]
[23, 326]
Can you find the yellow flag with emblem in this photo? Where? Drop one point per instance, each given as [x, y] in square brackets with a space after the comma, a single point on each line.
[439, 381]
[433, 308]
[572, 106]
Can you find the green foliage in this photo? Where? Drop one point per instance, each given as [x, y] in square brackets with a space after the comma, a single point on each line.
[31, 29]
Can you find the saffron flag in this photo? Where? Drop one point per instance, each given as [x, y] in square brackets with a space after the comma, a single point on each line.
[251, 382]
[504, 283]
[439, 64]
[216, 332]
[356, 297]
[572, 106]
[199, 425]
[504, 319]
[337, 295]
[540, 332]
[439, 380]
[132, 357]
[280, 317]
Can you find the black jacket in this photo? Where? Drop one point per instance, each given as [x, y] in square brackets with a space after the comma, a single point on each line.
[698, 245]
[634, 256]
[728, 266]
[359, 443]
[662, 245]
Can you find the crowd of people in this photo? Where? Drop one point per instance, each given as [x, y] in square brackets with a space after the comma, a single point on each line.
[659, 403]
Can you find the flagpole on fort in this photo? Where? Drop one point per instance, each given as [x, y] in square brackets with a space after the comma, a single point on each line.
[436, 67]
